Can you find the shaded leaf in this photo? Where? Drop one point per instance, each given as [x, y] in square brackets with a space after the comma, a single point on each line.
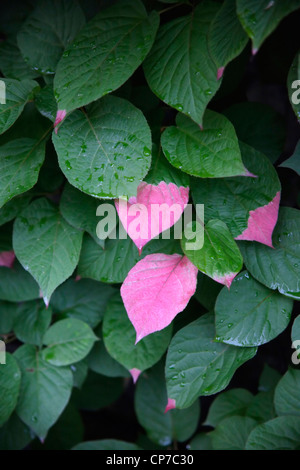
[31, 321]
[10, 379]
[282, 433]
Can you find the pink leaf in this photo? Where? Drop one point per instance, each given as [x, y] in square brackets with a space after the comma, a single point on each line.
[60, 116]
[261, 223]
[153, 210]
[171, 405]
[135, 373]
[156, 289]
[7, 258]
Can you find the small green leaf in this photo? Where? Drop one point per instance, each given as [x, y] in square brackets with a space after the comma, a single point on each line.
[47, 31]
[45, 390]
[105, 54]
[102, 152]
[282, 433]
[232, 433]
[250, 314]
[54, 258]
[68, 341]
[213, 152]
[31, 322]
[10, 379]
[119, 339]
[229, 403]
[197, 365]
[45, 102]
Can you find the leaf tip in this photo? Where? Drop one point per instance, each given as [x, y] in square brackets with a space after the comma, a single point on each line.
[220, 72]
[60, 116]
[135, 373]
[171, 405]
[7, 258]
[226, 280]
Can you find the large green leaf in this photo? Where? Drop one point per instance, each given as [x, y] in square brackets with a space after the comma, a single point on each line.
[102, 152]
[105, 54]
[282, 433]
[68, 341]
[286, 398]
[45, 390]
[84, 299]
[277, 268]
[232, 199]
[250, 314]
[232, 433]
[31, 322]
[229, 403]
[12, 64]
[119, 338]
[10, 379]
[17, 285]
[209, 153]
[259, 125]
[197, 365]
[219, 258]
[259, 19]
[226, 38]
[20, 163]
[179, 68]
[13, 99]
[150, 402]
[54, 258]
[47, 31]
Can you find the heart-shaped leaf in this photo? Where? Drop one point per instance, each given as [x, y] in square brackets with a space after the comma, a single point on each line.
[179, 68]
[248, 206]
[155, 209]
[105, 54]
[54, 258]
[156, 289]
[209, 153]
[219, 257]
[250, 314]
[103, 153]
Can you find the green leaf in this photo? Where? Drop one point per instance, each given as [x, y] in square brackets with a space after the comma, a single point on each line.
[106, 444]
[46, 103]
[119, 339]
[201, 441]
[197, 365]
[102, 142]
[84, 299]
[226, 39]
[12, 208]
[47, 31]
[16, 95]
[105, 54]
[21, 160]
[16, 285]
[15, 435]
[80, 211]
[232, 433]
[161, 170]
[259, 125]
[10, 379]
[294, 161]
[213, 152]
[268, 379]
[54, 258]
[12, 63]
[101, 362]
[150, 402]
[68, 341]
[232, 199]
[262, 407]
[219, 258]
[45, 390]
[282, 433]
[293, 85]
[179, 68]
[259, 19]
[207, 291]
[250, 314]
[229, 403]
[286, 397]
[97, 392]
[7, 315]
[277, 268]
[31, 322]
[80, 371]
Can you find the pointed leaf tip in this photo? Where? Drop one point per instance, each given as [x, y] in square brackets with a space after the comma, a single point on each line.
[60, 116]
[226, 280]
[156, 289]
[220, 72]
[261, 223]
[7, 258]
[135, 373]
[171, 405]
